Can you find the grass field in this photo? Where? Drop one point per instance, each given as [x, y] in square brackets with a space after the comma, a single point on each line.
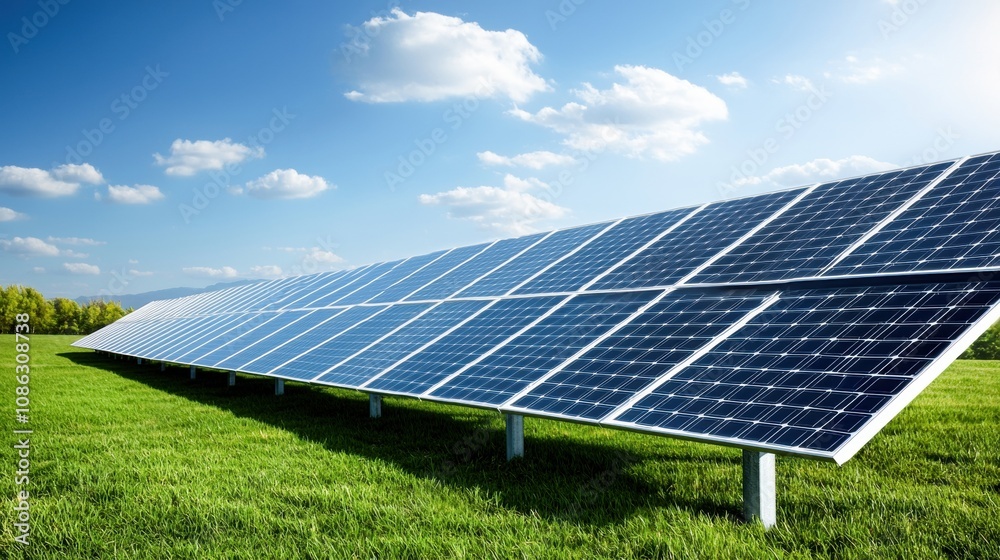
[127, 461]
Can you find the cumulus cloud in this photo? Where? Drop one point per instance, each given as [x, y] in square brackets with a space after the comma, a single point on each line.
[320, 258]
[139, 273]
[651, 113]
[818, 170]
[508, 210]
[78, 173]
[80, 241]
[82, 269]
[29, 247]
[266, 271]
[285, 183]
[64, 180]
[734, 80]
[8, 215]
[139, 194]
[190, 157]
[429, 56]
[532, 160]
[853, 70]
[795, 81]
[209, 272]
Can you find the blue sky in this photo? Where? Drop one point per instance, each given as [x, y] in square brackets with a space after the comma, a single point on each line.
[154, 145]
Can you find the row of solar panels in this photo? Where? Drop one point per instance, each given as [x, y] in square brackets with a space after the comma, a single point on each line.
[636, 323]
[797, 372]
[918, 220]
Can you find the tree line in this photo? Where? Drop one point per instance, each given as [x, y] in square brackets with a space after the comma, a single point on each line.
[55, 316]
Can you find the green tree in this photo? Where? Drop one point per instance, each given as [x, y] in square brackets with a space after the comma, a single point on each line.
[66, 316]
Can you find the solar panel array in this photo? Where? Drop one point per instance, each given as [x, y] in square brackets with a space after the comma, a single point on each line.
[797, 322]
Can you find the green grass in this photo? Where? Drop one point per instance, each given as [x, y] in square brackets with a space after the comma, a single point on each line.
[131, 462]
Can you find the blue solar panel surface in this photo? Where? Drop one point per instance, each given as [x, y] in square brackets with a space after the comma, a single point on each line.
[955, 226]
[541, 347]
[811, 234]
[613, 323]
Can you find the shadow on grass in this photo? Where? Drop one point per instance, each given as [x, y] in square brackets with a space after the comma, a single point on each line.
[560, 479]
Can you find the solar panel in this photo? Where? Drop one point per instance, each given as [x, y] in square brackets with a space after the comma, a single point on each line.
[315, 361]
[383, 352]
[616, 244]
[549, 250]
[445, 356]
[807, 374]
[637, 354]
[566, 328]
[480, 265]
[706, 233]
[797, 322]
[955, 226]
[811, 234]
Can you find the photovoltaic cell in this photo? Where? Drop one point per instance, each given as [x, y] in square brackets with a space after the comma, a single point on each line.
[426, 327]
[227, 358]
[813, 232]
[400, 273]
[955, 226]
[611, 247]
[627, 361]
[305, 321]
[320, 359]
[541, 347]
[453, 351]
[547, 251]
[814, 368]
[496, 255]
[326, 298]
[334, 322]
[695, 241]
[425, 275]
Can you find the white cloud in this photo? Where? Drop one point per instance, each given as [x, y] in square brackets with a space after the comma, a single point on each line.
[224, 272]
[139, 194]
[734, 80]
[73, 254]
[266, 271]
[139, 273]
[8, 215]
[532, 160]
[38, 269]
[508, 210]
[855, 71]
[652, 114]
[429, 56]
[29, 247]
[800, 83]
[82, 269]
[78, 173]
[190, 157]
[81, 241]
[319, 259]
[30, 181]
[285, 183]
[818, 170]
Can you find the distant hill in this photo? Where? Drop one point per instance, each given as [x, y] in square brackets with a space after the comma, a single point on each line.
[136, 301]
